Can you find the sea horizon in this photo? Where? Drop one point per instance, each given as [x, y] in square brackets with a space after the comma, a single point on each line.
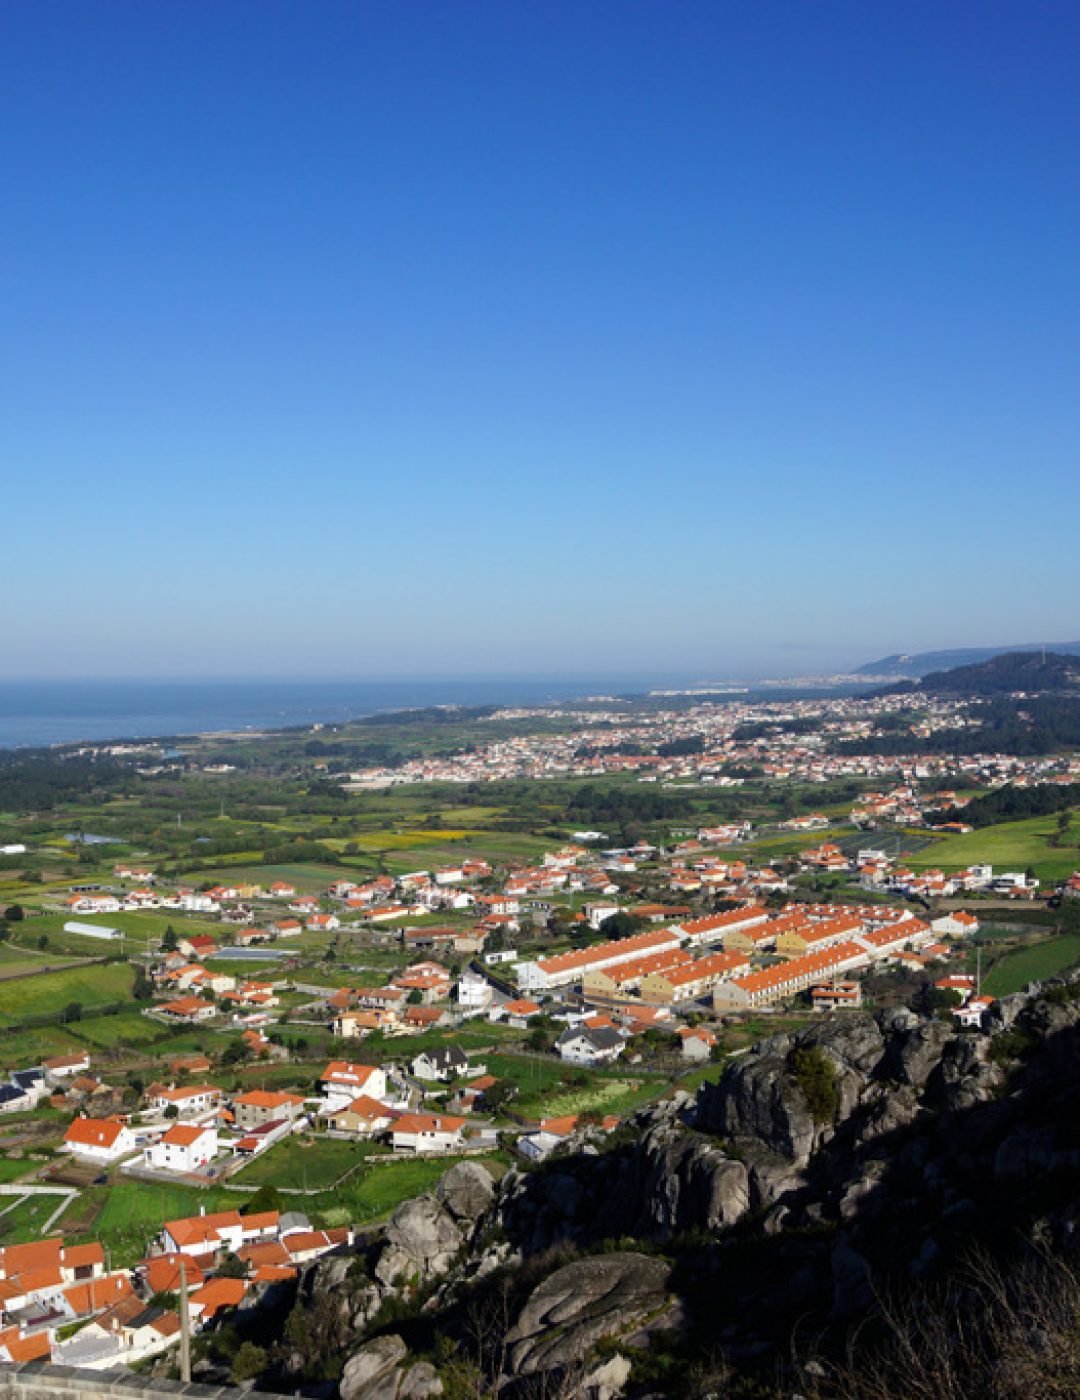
[60, 711]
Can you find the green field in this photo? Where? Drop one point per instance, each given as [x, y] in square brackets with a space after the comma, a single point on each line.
[53, 991]
[313, 1164]
[14, 959]
[140, 930]
[1013, 971]
[24, 1221]
[545, 1087]
[13, 1170]
[603, 1096]
[308, 879]
[382, 1187]
[129, 1027]
[125, 1215]
[1007, 846]
[29, 1047]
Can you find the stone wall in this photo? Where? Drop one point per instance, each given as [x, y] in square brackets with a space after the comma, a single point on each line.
[37, 1380]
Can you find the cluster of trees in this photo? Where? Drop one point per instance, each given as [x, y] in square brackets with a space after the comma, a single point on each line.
[1017, 803]
[297, 851]
[1027, 728]
[36, 783]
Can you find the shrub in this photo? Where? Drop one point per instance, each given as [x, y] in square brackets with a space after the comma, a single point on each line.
[816, 1078]
[249, 1362]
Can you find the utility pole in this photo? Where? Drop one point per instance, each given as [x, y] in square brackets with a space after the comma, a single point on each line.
[185, 1326]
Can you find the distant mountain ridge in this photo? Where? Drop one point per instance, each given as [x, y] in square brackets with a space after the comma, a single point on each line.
[916, 665]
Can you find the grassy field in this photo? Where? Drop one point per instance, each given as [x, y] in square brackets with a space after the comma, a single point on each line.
[53, 991]
[1008, 846]
[603, 1096]
[24, 1221]
[140, 930]
[300, 1164]
[308, 878]
[14, 960]
[130, 1028]
[18, 1049]
[12, 1170]
[382, 1186]
[545, 1088]
[1014, 970]
[126, 1214]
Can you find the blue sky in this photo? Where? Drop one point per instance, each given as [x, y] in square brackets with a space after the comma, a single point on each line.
[499, 337]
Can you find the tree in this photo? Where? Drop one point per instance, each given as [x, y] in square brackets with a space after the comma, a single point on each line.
[622, 926]
[266, 1198]
[498, 1096]
[172, 1111]
[14, 913]
[170, 940]
[232, 1267]
[73, 1011]
[250, 1361]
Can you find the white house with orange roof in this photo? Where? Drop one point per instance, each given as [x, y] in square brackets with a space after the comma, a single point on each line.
[99, 1139]
[184, 1148]
[342, 1081]
[958, 924]
[427, 1132]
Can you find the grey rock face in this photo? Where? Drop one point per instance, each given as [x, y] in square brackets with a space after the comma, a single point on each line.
[758, 1099]
[914, 1053]
[965, 1075]
[420, 1382]
[466, 1191]
[688, 1182]
[606, 1381]
[421, 1239]
[368, 1369]
[852, 1289]
[567, 1314]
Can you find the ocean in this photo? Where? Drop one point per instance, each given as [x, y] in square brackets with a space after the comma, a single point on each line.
[37, 713]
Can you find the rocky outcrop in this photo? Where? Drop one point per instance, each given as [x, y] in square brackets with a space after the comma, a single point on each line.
[603, 1297]
[466, 1191]
[422, 1241]
[685, 1181]
[426, 1235]
[778, 1203]
[380, 1371]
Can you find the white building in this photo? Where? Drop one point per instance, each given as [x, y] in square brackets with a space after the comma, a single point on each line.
[343, 1082]
[427, 1132]
[98, 1140]
[76, 926]
[184, 1148]
[585, 1045]
[473, 993]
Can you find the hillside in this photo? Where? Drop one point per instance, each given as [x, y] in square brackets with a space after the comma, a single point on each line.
[875, 1206]
[1002, 675]
[916, 665]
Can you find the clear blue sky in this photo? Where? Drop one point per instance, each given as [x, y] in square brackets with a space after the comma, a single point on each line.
[594, 335]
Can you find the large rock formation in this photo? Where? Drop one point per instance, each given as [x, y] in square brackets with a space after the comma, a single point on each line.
[785, 1198]
[607, 1296]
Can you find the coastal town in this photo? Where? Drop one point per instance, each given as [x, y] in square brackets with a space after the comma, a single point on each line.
[267, 1056]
